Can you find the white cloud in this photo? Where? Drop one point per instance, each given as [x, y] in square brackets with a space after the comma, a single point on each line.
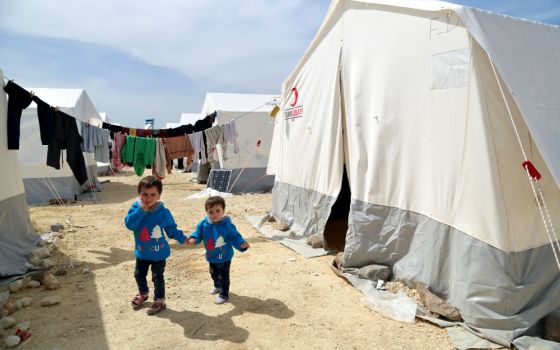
[209, 41]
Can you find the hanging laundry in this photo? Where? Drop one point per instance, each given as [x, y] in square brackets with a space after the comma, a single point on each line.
[132, 132]
[178, 147]
[158, 170]
[180, 130]
[119, 140]
[88, 136]
[230, 136]
[197, 142]
[101, 144]
[127, 152]
[45, 113]
[202, 125]
[66, 137]
[214, 136]
[144, 151]
[19, 99]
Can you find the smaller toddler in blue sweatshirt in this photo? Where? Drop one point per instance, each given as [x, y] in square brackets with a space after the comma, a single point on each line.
[220, 236]
[148, 218]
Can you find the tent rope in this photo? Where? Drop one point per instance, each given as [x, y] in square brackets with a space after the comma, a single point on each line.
[257, 145]
[540, 200]
[50, 185]
[254, 183]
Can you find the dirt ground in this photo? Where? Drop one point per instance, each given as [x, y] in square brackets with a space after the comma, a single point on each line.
[275, 303]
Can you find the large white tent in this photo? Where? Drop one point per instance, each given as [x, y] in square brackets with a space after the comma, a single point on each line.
[41, 181]
[251, 113]
[17, 237]
[431, 108]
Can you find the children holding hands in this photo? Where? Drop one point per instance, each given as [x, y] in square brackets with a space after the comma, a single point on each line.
[151, 222]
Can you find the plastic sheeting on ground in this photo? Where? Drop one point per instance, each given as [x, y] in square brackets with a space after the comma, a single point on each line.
[296, 243]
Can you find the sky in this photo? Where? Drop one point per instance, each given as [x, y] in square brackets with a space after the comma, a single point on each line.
[144, 59]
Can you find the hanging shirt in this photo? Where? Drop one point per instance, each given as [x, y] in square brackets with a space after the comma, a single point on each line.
[19, 99]
[230, 136]
[197, 142]
[66, 137]
[158, 170]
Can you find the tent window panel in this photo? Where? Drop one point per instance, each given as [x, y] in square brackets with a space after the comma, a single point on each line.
[451, 69]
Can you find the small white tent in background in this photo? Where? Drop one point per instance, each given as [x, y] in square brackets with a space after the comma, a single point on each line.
[189, 118]
[251, 113]
[431, 108]
[186, 118]
[42, 182]
[17, 237]
[104, 118]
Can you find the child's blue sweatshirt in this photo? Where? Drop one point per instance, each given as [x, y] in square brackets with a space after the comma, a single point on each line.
[148, 227]
[219, 239]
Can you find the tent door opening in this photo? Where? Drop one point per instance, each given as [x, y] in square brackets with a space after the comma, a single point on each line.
[337, 223]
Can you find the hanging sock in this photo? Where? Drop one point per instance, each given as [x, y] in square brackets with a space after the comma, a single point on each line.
[19, 99]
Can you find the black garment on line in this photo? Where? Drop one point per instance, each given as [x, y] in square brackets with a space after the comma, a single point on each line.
[202, 125]
[45, 113]
[66, 136]
[19, 99]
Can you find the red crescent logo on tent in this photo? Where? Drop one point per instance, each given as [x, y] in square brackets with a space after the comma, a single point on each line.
[296, 95]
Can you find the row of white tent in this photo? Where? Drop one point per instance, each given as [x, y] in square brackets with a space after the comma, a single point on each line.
[251, 113]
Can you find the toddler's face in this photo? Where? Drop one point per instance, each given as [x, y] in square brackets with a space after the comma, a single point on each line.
[149, 196]
[215, 213]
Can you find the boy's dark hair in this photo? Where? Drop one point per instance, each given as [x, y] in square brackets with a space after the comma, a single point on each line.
[214, 200]
[148, 182]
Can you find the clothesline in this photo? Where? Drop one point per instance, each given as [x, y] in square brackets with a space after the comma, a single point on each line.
[213, 114]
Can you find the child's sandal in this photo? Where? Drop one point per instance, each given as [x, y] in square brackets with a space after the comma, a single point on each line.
[156, 307]
[139, 299]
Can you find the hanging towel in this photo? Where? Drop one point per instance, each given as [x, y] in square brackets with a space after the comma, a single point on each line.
[127, 152]
[19, 99]
[158, 170]
[87, 135]
[119, 139]
[144, 151]
[132, 131]
[197, 142]
[177, 147]
[101, 144]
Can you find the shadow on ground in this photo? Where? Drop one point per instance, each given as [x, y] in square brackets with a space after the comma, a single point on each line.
[197, 325]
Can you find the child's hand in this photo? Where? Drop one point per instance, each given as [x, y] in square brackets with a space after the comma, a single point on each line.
[191, 241]
[245, 245]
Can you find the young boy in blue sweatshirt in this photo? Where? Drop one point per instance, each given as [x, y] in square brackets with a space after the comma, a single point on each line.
[219, 236]
[149, 219]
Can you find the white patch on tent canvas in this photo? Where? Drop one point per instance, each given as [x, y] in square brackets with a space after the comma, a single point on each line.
[451, 69]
